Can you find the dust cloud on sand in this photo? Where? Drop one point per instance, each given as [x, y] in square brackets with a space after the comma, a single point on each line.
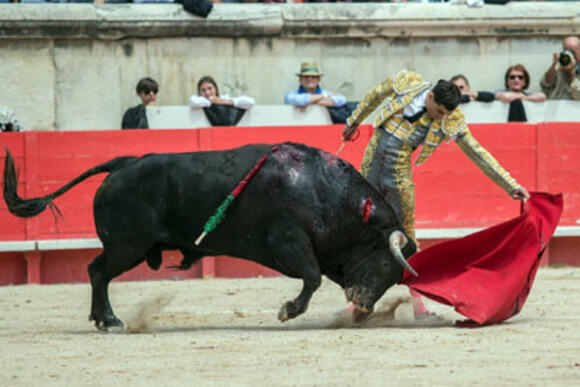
[395, 312]
[141, 320]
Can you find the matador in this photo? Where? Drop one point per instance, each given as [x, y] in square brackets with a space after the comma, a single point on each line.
[417, 113]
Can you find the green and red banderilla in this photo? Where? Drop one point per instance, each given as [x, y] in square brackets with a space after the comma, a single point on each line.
[219, 214]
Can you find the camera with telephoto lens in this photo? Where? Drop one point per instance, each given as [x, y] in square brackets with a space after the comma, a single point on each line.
[566, 57]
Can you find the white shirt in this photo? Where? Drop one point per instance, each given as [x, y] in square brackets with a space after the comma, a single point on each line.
[242, 102]
[417, 104]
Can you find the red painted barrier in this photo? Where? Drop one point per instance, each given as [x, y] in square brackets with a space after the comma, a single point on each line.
[451, 191]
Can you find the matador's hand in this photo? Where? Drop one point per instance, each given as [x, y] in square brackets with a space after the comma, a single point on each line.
[521, 194]
[347, 132]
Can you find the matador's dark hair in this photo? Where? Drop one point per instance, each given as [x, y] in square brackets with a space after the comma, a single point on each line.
[447, 94]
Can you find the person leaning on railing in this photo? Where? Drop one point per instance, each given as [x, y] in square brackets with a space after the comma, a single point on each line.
[516, 81]
[468, 95]
[310, 92]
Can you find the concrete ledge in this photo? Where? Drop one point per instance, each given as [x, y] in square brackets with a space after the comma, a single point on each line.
[398, 20]
[444, 233]
[567, 231]
[95, 243]
[7, 246]
[68, 244]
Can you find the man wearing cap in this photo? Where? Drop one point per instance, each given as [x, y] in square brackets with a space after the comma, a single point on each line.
[309, 92]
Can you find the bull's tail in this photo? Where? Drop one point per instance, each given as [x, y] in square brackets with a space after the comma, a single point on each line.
[30, 207]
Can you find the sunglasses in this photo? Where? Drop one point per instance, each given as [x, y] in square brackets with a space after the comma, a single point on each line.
[520, 77]
[154, 91]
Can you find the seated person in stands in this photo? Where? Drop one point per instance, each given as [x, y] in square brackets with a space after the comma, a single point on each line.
[467, 95]
[309, 92]
[517, 80]
[208, 94]
[136, 117]
[562, 80]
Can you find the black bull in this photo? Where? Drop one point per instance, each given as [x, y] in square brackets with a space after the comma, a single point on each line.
[305, 213]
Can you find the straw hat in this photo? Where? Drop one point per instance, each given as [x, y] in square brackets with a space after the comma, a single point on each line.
[309, 68]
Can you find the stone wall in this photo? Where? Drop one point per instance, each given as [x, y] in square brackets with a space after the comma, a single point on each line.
[75, 66]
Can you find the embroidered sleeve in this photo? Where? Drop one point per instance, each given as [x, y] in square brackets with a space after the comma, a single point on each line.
[370, 102]
[486, 162]
[454, 124]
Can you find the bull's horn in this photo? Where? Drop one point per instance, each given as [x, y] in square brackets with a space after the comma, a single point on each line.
[395, 240]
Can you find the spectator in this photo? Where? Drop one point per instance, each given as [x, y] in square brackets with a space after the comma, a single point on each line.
[309, 92]
[8, 121]
[516, 81]
[208, 94]
[562, 81]
[467, 95]
[136, 117]
[219, 110]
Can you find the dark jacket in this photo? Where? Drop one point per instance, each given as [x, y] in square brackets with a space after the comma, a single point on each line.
[135, 118]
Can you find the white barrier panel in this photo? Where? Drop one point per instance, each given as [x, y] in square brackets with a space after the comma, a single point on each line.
[176, 117]
[548, 111]
[284, 115]
[183, 117]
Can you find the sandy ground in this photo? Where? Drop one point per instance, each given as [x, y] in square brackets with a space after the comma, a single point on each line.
[225, 332]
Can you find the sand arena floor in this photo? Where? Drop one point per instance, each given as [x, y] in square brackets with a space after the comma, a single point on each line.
[225, 332]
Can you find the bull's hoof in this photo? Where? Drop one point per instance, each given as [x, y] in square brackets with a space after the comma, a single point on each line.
[283, 313]
[110, 325]
[288, 311]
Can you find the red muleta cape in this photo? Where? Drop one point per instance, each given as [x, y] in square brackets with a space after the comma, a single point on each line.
[488, 275]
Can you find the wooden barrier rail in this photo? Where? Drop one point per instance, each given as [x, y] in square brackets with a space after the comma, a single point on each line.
[453, 196]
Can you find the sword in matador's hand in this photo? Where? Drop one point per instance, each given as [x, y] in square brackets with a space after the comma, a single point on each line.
[349, 133]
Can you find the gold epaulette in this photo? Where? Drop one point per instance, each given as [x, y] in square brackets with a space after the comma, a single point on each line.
[407, 81]
[406, 86]
[454, 124]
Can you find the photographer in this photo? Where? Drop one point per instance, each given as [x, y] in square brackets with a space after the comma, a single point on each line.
[562, 80]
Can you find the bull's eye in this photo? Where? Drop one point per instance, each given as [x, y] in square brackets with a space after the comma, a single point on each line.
[387, 265]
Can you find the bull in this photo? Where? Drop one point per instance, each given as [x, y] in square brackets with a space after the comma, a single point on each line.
[305, 213]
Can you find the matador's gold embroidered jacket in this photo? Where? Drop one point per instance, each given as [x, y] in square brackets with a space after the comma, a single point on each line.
[399, 92]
